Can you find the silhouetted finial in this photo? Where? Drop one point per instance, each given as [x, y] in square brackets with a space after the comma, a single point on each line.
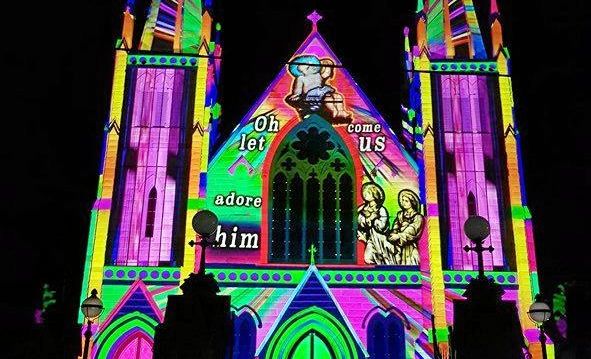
[314, 17]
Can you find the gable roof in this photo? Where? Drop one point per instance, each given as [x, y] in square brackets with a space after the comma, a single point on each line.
[312, 291]
[272, 102]
[137, 298]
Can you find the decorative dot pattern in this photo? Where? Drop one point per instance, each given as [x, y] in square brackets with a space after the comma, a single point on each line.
[163, 60]
[481, 67]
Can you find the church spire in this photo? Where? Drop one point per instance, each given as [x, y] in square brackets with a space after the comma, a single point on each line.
[407, 52]
[421, 26]
[496, 29]
[452, 29]
[128, 23]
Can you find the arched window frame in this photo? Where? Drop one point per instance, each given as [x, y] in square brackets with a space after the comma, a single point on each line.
[339, 167]
[151, 213]
[389, 342]
[244, 337]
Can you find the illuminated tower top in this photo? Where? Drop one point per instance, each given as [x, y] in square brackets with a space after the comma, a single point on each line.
[170, 26]
[496, 29]
[452, 29]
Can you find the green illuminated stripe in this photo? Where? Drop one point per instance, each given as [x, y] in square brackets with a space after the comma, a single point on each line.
[191, 26]
[464, 277]
[520, 212]
[196, 203]
[111, 295]
[277, 295]
[442, 335]
[535, 284]
[272, 276]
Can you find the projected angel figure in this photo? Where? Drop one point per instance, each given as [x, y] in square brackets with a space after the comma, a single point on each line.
[407, 229]
[310, 89]
[373, 223]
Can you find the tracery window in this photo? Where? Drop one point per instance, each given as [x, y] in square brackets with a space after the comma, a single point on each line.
[312, 197]
[151, 214]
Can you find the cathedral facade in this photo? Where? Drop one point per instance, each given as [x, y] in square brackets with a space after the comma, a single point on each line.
[337, 237]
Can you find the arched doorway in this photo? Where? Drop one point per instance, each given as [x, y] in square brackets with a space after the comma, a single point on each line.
[312, 333]
[386, 337]
[138, 345]
[312, 345]
[244, 337]
[312, 196]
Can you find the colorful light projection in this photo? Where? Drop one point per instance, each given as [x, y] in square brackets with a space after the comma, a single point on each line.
[153, 160]
[312, 174]
[313, 160]
[470, 174]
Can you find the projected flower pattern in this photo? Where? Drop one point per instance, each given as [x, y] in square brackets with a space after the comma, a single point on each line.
[313, 145]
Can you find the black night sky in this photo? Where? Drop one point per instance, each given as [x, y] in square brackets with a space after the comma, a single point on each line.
[60, 62]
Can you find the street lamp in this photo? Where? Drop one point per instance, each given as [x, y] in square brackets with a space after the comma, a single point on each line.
[539, 313]
[205, 223]
[91, 308]
[477, 229]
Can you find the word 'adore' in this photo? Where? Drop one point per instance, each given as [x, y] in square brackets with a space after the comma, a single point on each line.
[234, 200]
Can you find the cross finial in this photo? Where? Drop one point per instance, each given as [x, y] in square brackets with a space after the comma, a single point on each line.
[312, 252]
[314, 17]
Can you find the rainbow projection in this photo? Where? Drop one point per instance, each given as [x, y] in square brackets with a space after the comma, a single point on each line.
[337, 238]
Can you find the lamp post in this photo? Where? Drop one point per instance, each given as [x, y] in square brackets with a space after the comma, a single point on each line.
[91, 308]
[539, 313]
[205, 223]
[477, 229]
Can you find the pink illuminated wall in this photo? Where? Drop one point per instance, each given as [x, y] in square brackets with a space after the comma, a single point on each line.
[469, 171]
[153, 170]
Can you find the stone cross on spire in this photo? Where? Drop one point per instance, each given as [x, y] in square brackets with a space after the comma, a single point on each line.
[312, 252]
[314, 17]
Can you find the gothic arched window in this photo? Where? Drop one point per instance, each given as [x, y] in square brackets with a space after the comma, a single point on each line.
[385, 337]
[312, 194]
[151, 213]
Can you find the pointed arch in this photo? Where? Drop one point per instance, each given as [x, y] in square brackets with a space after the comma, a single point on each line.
[312, 179]
[151, 213]
[313, 319]
[118, 334]
[386, 337]
[244, 336]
